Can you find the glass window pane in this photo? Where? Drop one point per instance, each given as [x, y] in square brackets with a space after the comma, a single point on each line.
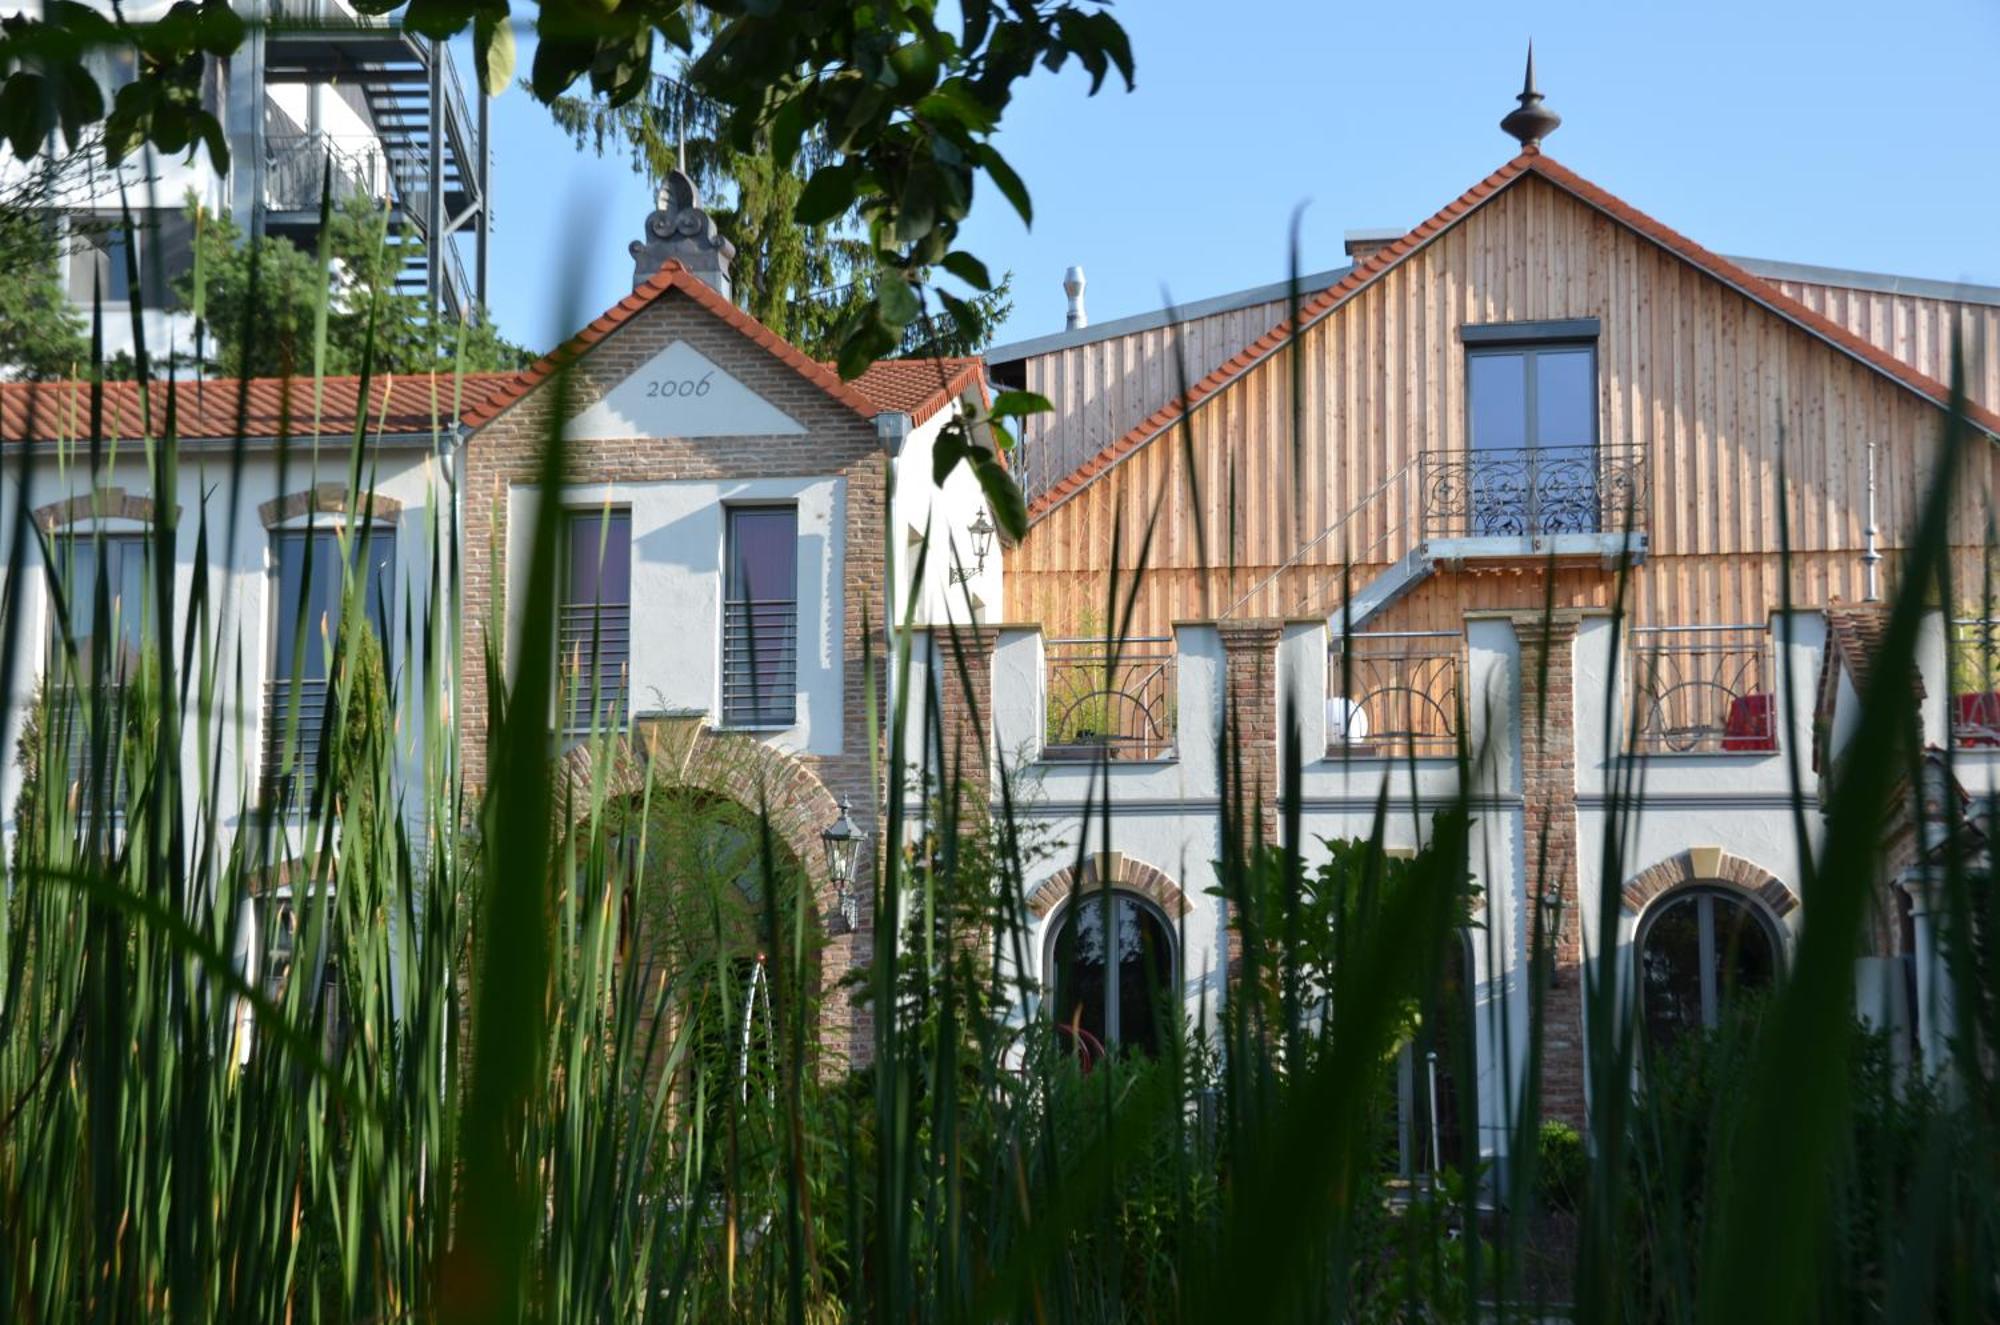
[1498, 385]
[763, 559]
[1670, 972]
[1565, 398]
[123, 612]
[1079, 974]
[1144, 974]
[1743, 958]
[600, 557]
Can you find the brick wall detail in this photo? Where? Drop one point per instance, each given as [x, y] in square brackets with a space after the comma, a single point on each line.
[1548, 795]
[506, 453]
[1122, 871]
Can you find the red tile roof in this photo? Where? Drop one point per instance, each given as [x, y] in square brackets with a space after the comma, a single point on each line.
[271, 406]
[671, 276]
[268, 406]
[920, 387]
[1365, 272]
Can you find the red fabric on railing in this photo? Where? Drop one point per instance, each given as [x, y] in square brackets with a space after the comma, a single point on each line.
[1751, 724]
[1975, 720]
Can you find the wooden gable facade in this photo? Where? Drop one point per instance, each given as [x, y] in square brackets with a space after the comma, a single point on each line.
[1290, 475]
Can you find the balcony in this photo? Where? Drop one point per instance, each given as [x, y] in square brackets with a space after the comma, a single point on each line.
[1548, 498]
[1109, 700]
[1394, 694]
[1703, 690]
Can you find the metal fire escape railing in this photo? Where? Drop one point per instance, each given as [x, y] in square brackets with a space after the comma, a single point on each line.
[1396, 519]
[429, 155]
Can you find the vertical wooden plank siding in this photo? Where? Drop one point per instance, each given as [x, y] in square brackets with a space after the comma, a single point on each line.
[1720, 393]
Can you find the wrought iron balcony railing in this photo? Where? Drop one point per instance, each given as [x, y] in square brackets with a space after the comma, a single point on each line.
[1111, 700]
[1702, 689]
[1394, 693]
[1532, 492]
[1975, 683]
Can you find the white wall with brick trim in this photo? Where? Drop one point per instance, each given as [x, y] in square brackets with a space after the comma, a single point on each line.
[241, 585]
[947, 511]
[678, 549]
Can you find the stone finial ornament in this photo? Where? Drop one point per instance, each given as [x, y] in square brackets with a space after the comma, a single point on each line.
[1531, 121]
[678, 229]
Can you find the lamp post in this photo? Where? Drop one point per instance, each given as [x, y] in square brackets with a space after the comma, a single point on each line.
[842, 839]
[982, 532]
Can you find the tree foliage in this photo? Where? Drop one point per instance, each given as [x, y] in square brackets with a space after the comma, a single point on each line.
[41, 333]
[807, 282]
[905, 107]
[259, 303]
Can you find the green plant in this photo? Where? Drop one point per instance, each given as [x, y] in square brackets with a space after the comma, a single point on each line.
[1560, 1165]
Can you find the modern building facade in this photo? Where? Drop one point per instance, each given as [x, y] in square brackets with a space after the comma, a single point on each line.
[319, 95]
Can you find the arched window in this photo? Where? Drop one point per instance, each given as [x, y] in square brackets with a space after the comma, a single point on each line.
[1116, 990]
[1699, 948]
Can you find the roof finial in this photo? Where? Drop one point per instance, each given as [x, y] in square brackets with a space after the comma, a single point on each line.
[1530, 121]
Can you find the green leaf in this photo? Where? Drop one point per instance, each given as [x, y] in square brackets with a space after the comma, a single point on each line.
[948, 450]
[1018, 404]
[1003, 495]
[559, 62]
[828, 194]
[1007, 182]
[493, 47]
[897, 299]
[968, 269]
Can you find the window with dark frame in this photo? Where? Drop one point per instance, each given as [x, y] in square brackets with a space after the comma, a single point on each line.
[594, 621]
[87, 692]
[1532, 434]
[1111, 992]
[310, 594]
[1700, 949]
[760, 617]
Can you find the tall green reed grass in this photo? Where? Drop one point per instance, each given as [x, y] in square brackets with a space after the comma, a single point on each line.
[525, 1064]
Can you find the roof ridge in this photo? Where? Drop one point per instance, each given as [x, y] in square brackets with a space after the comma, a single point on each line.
[1531, 160]
[1310, 311]
[672, 275]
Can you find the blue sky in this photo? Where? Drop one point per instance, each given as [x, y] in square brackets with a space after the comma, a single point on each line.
[1821, 131]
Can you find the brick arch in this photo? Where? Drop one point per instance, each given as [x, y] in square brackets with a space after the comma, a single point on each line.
[328, 499]
[1709, 865]
[687, 753]
[106, 503]
[1124, 872]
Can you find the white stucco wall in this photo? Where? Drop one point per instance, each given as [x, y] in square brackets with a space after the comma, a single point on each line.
[678, 530]
[241, 589]
[920, 506]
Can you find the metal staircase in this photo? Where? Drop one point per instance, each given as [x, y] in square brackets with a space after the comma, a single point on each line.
[1319, 587]
[427, 156]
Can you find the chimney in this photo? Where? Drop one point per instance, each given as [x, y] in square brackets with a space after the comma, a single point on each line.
[1363, 243]
[1073, 287]
[679, 230]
